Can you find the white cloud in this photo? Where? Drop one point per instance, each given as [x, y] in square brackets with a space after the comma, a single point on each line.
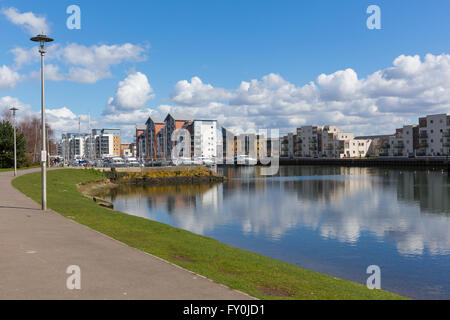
[123, 110]
[79, 63]
[8, 77]
[28, 20]
[133, 93]
[376, 104]
[8, 102]
[197, 93]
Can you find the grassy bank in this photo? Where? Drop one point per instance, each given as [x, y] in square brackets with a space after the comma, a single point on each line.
[12, 169]
[254, 274]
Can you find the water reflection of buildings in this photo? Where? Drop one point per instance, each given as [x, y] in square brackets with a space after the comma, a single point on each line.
[393, 205]
[407, 208]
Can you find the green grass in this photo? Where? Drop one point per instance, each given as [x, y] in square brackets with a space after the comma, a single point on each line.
[12, 169]
[249, 272]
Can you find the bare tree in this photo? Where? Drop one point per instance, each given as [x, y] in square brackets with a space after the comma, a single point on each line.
[6, 115]
[31, 128]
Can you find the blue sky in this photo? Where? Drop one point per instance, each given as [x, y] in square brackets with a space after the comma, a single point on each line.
[223, 43]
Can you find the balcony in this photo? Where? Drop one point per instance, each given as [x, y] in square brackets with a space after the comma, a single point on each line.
[423, 135]
[446, 134]
[399, 146]
[423, 145]
[447, 144]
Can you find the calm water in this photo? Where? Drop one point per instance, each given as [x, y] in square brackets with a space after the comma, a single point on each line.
[333, 220]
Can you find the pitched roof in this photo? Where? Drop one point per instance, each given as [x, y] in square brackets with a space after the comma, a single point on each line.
[180, 117]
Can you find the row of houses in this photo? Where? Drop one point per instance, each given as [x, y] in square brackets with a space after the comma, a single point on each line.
[97, 144]
[430, 137]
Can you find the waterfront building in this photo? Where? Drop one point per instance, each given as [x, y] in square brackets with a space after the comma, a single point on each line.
[246, 145]
[434, 132]
[380, 145]
[153, 147]
[229, 146]
[172, 123]
[140, 129]
[141, 146]
[204, 138]
[311, 140]
[355, 148]
[332, 138]
[405, 141]
[284, 147]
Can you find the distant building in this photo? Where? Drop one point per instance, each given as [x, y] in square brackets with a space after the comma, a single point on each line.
[380, 145]
[153, 147]
[229, 146]
[172, 123]
[434, 133]
[405, 141]
[355, 148]
[128, 150]
[332, 138]
[140, 129]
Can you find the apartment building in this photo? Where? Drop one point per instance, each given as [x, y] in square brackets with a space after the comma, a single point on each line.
[311, 140]
[140, 129]
[76, 147]
[405, 141]
[172, 123]
[127, 150]
[434, 132]
[380, 145]
[204, 140]
[332, 137]
[115, 133]
[229, 146]
[288, 146]
[355, 148]
[152, 144]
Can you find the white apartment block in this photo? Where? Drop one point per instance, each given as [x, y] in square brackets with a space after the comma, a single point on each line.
[205, 138]
[404, 142]
[104, 146]
[356, 148]
[76, 147]
[310, 137]
[434, 132]
[332, 138]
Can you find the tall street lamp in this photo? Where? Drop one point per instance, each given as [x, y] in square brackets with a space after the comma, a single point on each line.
[43, 39]
[15, 145]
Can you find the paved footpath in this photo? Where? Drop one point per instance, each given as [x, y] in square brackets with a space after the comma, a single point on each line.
[36, 248]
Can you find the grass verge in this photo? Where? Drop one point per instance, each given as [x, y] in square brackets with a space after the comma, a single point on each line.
[249, 272]
[12, 169]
